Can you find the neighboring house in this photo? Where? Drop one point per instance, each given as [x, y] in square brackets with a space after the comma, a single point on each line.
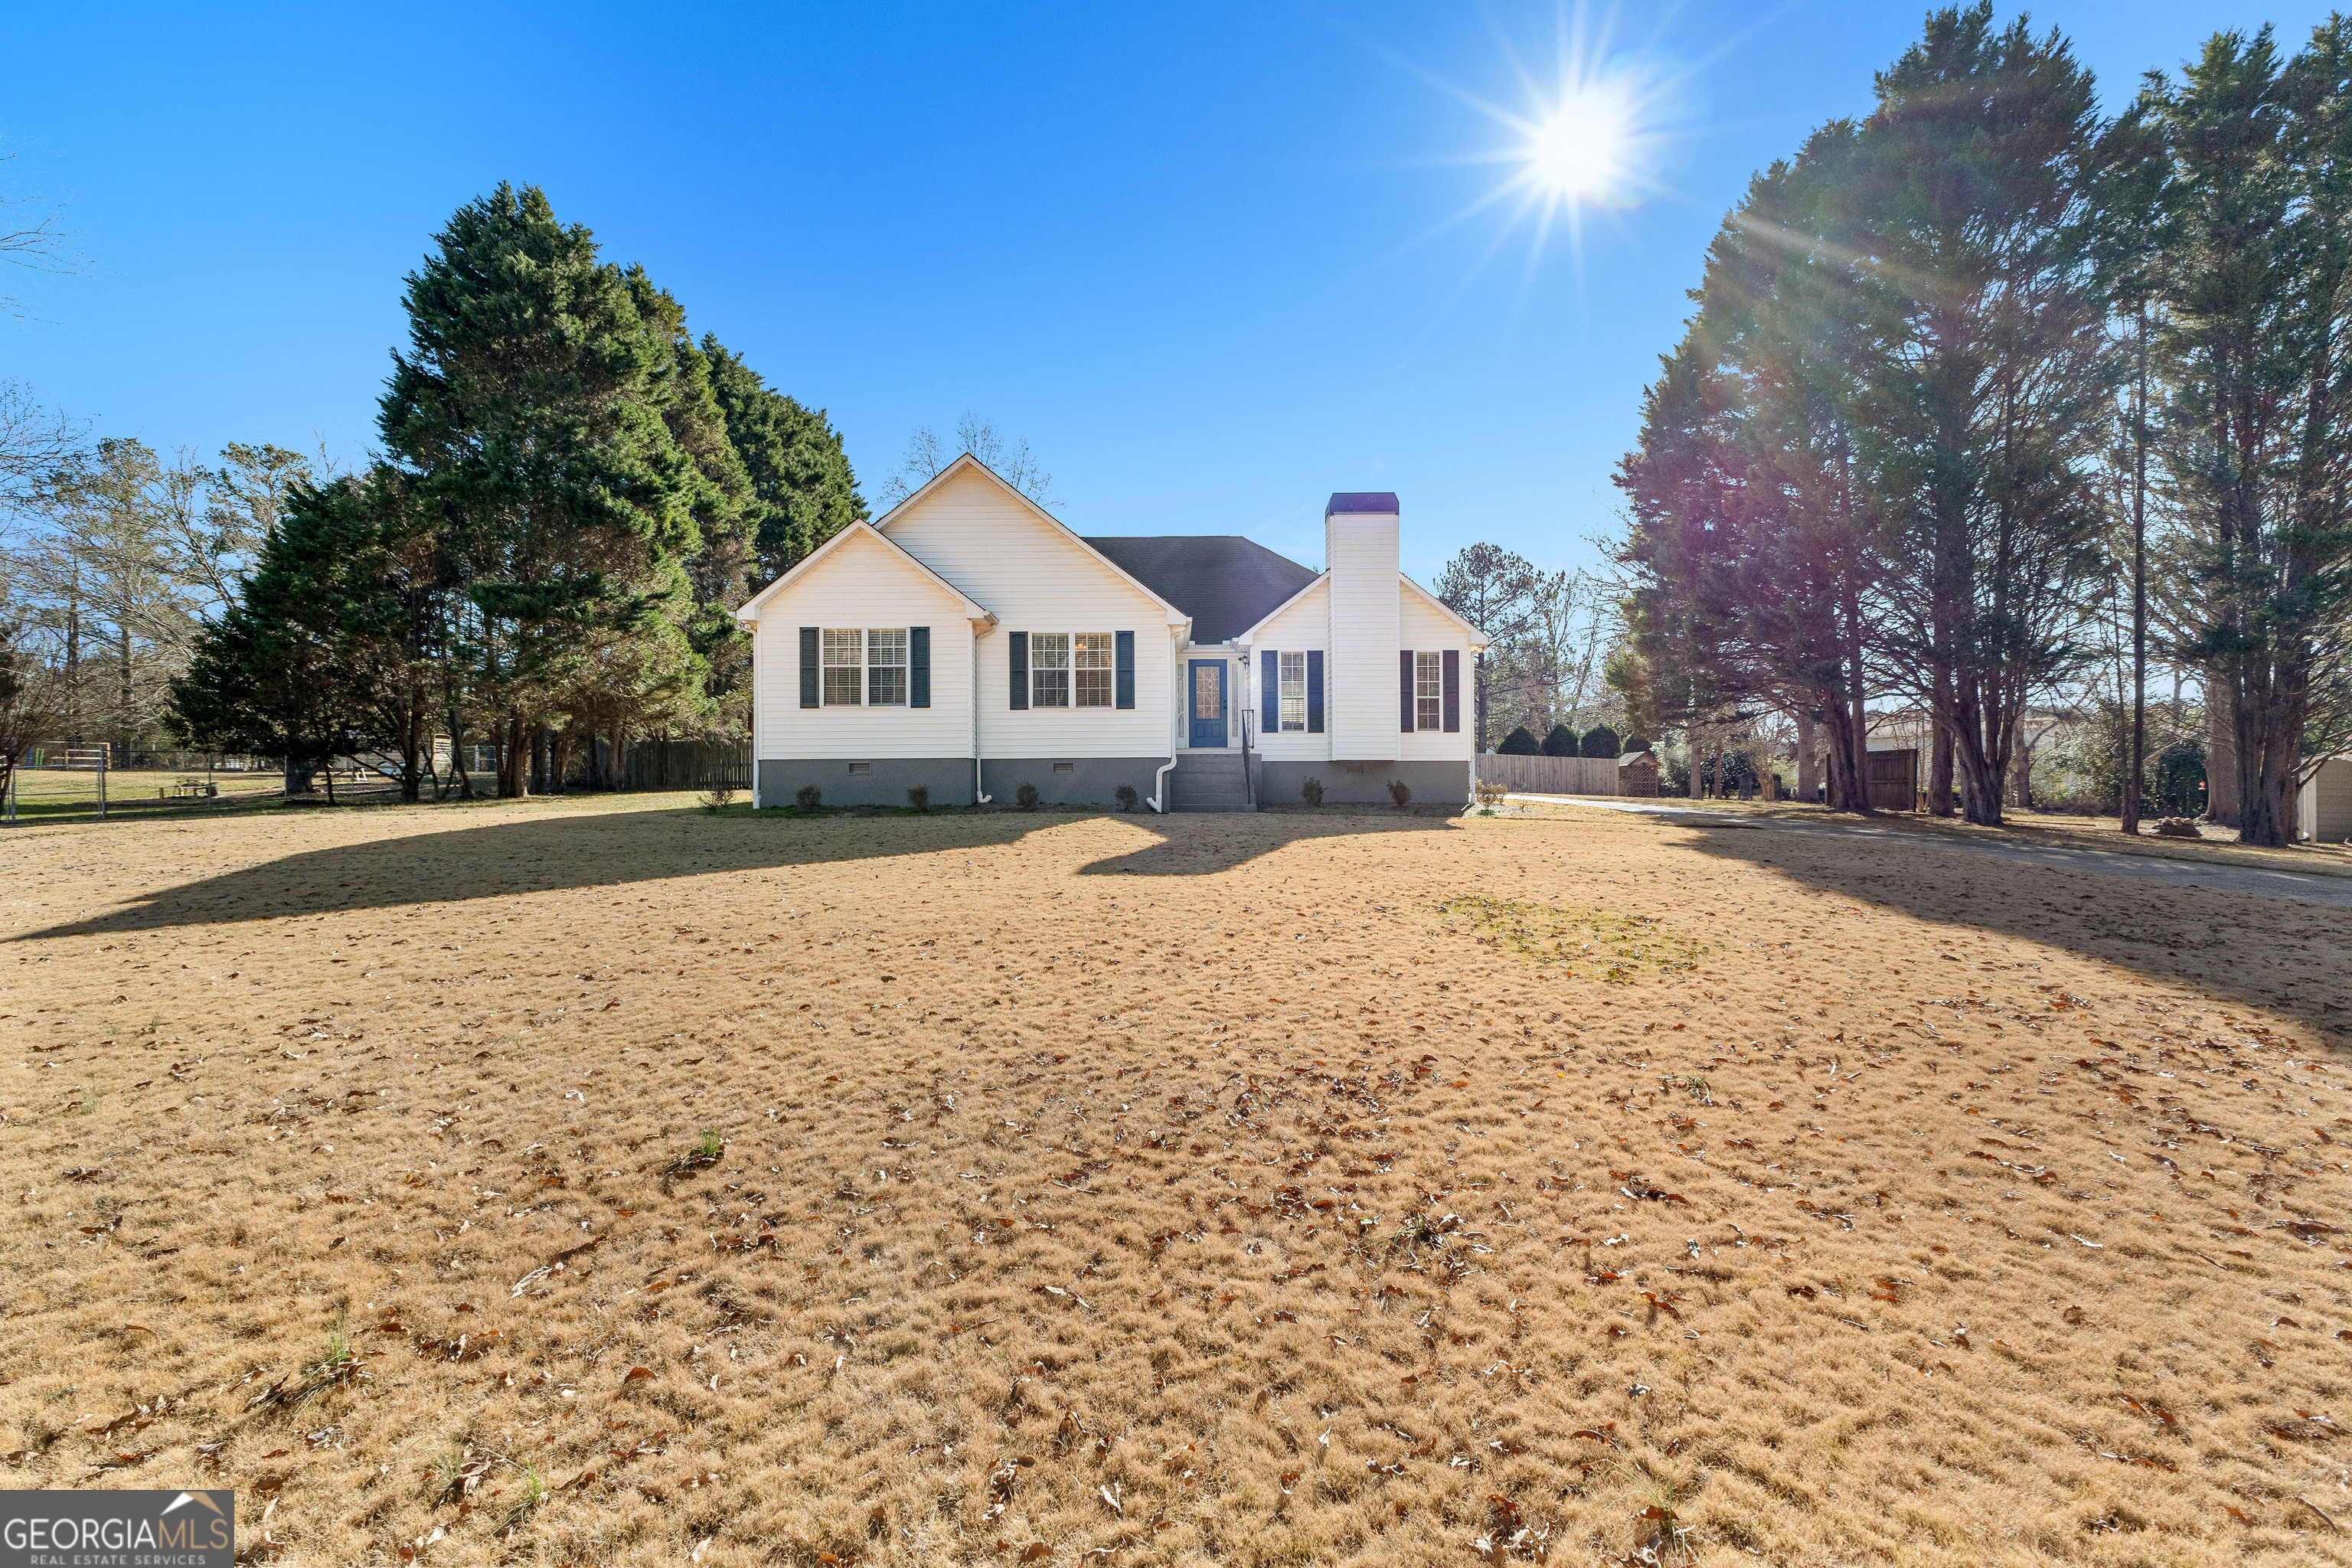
[969, 642]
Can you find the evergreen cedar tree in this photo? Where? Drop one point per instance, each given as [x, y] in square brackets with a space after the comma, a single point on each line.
[1601, 740]
[577, 495]
[1559, 743]
[1819, 481]
[1520, 742]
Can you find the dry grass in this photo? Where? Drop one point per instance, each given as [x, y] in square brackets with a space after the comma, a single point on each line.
[590, 1182]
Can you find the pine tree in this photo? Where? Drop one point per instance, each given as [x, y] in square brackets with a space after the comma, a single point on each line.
[803, 491]
[2257, 293]
[1983, 376]
[528, 415]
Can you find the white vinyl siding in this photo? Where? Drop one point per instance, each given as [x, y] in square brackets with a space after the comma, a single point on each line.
[990, 544]
[1361, 706]
[1293, 691]
[1292, 632]
[1423, 627]
[865, 577]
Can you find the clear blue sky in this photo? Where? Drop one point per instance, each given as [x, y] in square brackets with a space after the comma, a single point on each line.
[1210, 261]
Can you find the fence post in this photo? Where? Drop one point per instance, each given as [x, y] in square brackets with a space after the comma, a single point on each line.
[101, 779]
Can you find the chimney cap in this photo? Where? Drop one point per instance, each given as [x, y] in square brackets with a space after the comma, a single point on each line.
[1366, 503]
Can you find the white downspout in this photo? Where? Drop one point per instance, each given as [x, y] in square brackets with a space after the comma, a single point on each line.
[1159, 780]
[976, 797]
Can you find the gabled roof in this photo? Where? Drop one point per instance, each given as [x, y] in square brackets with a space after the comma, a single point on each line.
[971, 609]
[967, 462]
[1477, 638]
[1225, 583]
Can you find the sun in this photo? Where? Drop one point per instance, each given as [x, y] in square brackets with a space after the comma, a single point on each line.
[1579, 150]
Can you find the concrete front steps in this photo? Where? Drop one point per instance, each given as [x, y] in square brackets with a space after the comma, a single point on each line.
[1209, 781]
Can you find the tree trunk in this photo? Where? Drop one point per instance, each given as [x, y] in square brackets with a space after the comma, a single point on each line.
[1807, 764]
[538, 760]
[2137, 772]
[2221, 755]
[1857, 729]
[1940, 764]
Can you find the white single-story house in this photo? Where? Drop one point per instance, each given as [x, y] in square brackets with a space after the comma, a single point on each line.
[969, 642]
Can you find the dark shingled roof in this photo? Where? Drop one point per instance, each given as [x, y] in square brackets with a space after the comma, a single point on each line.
[1225, 583]
[1373, 503]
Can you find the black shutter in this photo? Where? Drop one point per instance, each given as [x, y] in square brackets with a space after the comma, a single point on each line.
[1122, 669]
[1315, 691]
[918, 666]
[1404, 691]
[812, 645]
[1020, 669]
[1453, 659]
[1269, 694]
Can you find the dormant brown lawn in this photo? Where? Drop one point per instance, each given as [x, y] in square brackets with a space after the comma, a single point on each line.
[605, 1182]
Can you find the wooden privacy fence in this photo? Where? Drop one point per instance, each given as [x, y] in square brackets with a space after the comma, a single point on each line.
[1893, 781]
[686, 765]
[1549, 775]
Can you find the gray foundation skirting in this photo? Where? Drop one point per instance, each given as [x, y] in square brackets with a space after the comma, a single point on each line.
[1358, 783]
[885, 783]
[1091, 780]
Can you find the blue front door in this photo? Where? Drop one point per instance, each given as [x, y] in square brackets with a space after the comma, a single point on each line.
[1208, 702]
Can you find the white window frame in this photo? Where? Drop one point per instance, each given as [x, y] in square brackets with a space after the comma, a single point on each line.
[1094, 669]
[1049, 669]
[885, 675]
[1291, 712]
[842, 676]
[857, 669]
[1428, 690]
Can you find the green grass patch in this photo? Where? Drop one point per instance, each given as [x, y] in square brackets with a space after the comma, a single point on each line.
[1591, 943]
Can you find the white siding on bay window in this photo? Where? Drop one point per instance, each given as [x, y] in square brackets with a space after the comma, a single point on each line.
[862, 583]
[1037, 578]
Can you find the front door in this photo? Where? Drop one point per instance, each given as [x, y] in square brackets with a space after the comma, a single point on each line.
[1208, 702]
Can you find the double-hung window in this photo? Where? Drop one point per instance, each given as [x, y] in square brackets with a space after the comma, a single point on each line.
[845, 666]
[1428, 690]
[865, 667]
[1293, 691]
[1090, 657]
[1049, 669]
[885, 667]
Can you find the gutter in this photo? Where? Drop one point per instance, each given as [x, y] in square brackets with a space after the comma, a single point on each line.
[1159, 780]
[976, 797]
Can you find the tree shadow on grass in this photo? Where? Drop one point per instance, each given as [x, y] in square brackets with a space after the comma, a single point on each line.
[495, 858]
[2285, 955]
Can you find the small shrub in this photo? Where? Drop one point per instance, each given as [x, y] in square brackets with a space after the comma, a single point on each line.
[810, 797]
[1560, 742]
[1488, 795]
[919, 797]
[1401, 792]
[1311, 792]
[1026, 797]
[1601, 740]
[717, 798]
[1126, 797]
[1520, 742]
